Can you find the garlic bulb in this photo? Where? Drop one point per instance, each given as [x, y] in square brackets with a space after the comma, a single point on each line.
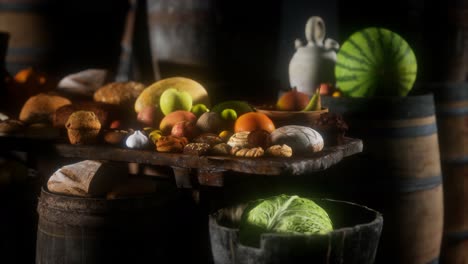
[137, 140]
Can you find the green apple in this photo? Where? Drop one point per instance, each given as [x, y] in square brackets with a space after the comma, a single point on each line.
[199, 109]
[172, 100]
[229, 114]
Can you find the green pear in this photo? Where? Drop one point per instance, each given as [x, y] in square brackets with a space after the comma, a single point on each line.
[315, 102]
[172, 100]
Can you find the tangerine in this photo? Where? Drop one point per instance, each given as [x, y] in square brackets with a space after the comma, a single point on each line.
[253, 121]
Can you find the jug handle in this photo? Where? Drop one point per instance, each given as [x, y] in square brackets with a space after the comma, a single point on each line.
[315, 31]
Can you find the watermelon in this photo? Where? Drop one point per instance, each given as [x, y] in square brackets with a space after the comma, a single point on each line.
[375, 62]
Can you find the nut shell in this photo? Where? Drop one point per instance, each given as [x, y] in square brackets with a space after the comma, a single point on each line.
[115, 137]
[209, 138]
[196, 148]
[221, 149]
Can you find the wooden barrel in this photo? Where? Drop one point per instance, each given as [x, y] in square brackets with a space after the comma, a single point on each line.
[96, 230]
[58, 37]
[354, 240]
[398, 173]
[452, 120]
[19, 221]
[28, 24]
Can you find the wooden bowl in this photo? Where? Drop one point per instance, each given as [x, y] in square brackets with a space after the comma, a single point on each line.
[283, 118]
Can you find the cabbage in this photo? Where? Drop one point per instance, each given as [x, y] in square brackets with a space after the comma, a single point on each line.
[282, 214]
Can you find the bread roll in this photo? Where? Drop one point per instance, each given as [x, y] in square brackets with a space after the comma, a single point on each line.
[39, 108]
[106, 113]
[83, 127]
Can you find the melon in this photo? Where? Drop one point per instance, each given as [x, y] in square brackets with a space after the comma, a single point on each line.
[375, 62]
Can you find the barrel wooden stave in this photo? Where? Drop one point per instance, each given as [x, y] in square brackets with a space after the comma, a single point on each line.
[87, 230]
[452, 118]
[399, 172]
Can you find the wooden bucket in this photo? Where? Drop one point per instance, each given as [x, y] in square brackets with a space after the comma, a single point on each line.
[398, 173]
[96, 230]
[452, 120]
[354, 240]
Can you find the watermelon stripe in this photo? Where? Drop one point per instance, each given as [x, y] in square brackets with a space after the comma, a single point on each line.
[347, 78]
[404, 54]
[392, 36]
[340, 65]
[358, 87]
[375, 61]
[383, 47]
[370, 43]
[353, 58]
[361, 51]
[398, 49]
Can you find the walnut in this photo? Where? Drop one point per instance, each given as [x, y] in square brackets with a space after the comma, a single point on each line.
[209, 138]
[171, 144]
[247, 152]
[196, 148]
[279, 151]
[220, 149]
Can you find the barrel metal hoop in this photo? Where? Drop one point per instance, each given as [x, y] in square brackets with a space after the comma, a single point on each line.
[413, 185]
[456, 161]
[30, 7]
[26, 51]
[450, 111]
[456, 237]
[403, 132]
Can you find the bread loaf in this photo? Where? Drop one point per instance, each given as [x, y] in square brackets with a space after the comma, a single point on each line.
[39, 108]
[87, 178]
[301, 139]
[119, 93]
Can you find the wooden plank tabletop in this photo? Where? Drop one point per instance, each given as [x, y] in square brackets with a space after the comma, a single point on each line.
[210, 168]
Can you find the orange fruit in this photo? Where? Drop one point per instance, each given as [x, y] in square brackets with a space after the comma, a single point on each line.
[253, 121]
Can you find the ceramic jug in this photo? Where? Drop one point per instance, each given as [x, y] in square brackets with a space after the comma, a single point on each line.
[314, 62]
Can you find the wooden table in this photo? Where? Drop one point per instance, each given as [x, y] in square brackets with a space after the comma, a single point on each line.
[208, 170]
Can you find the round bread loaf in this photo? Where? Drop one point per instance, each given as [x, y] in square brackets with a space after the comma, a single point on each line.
[119, 93]
[300, 138]
[39, 108]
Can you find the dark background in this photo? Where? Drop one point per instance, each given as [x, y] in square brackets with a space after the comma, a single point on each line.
[237, 49]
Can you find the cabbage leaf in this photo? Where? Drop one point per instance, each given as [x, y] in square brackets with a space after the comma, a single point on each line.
[282, 214]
